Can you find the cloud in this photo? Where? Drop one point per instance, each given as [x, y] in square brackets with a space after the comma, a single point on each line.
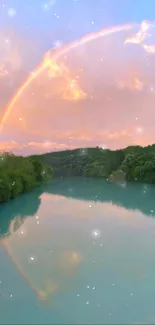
[116, 86]
[132, 84]
[142, 34]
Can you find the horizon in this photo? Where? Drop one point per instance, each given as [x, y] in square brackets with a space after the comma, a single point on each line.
[80, 149]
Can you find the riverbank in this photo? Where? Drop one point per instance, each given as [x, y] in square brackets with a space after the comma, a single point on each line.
[21, 174]
[134, 163]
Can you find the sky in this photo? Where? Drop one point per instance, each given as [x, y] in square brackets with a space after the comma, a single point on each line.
[92, 91]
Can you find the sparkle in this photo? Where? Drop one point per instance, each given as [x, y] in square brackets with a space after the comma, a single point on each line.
[87, 302]
[57, 44]
[48, 5]
[139, 130]
[93, 288]
[88, 287]
[96, 233]
[78, 295]
[90, 206]
[151, 89]
[20, 118]
[11, 12]
[31, 259]
[10, 295]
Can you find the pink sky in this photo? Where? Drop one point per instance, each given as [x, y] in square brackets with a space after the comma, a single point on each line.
[117, 107]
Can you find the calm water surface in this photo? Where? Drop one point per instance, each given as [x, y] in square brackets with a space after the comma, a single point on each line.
[78, 251]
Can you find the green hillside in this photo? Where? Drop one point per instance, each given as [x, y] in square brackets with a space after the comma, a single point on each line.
[22, 174]
[133, 163]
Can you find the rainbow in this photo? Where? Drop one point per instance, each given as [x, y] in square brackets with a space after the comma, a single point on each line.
[47, 62]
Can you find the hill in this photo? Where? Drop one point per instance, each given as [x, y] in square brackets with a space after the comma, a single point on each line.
[134, 163]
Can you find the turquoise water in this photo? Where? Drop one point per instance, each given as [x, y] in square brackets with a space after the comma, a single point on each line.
[78, 251]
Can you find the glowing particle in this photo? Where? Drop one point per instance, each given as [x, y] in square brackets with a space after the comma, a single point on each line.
[11, 12]
[96, 233]
[37, 217]
[87, 302]
[37, 222]
[90, 206]
[92, 22]
[57, 44]
[139, 130]
[78, 295]
[93, 288]
[113, 284]
[32, 259]
[88, 287]
[48, 5]
[11, 295]
[20, 118]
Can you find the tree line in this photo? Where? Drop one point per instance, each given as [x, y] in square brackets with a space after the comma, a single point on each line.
[21, 174]
[134, 163]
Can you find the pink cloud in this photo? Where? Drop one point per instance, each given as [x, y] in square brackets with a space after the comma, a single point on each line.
[120, 88]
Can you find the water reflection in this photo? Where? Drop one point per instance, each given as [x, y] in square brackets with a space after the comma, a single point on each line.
[134, 197]
[69, 234]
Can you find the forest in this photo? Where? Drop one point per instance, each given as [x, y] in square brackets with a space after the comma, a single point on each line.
[134, 163]
[21, 174]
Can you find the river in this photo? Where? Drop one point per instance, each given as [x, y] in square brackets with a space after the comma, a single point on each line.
[78, 251]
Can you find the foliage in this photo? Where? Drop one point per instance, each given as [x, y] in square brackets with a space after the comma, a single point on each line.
[19, 175]
[133, 163]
